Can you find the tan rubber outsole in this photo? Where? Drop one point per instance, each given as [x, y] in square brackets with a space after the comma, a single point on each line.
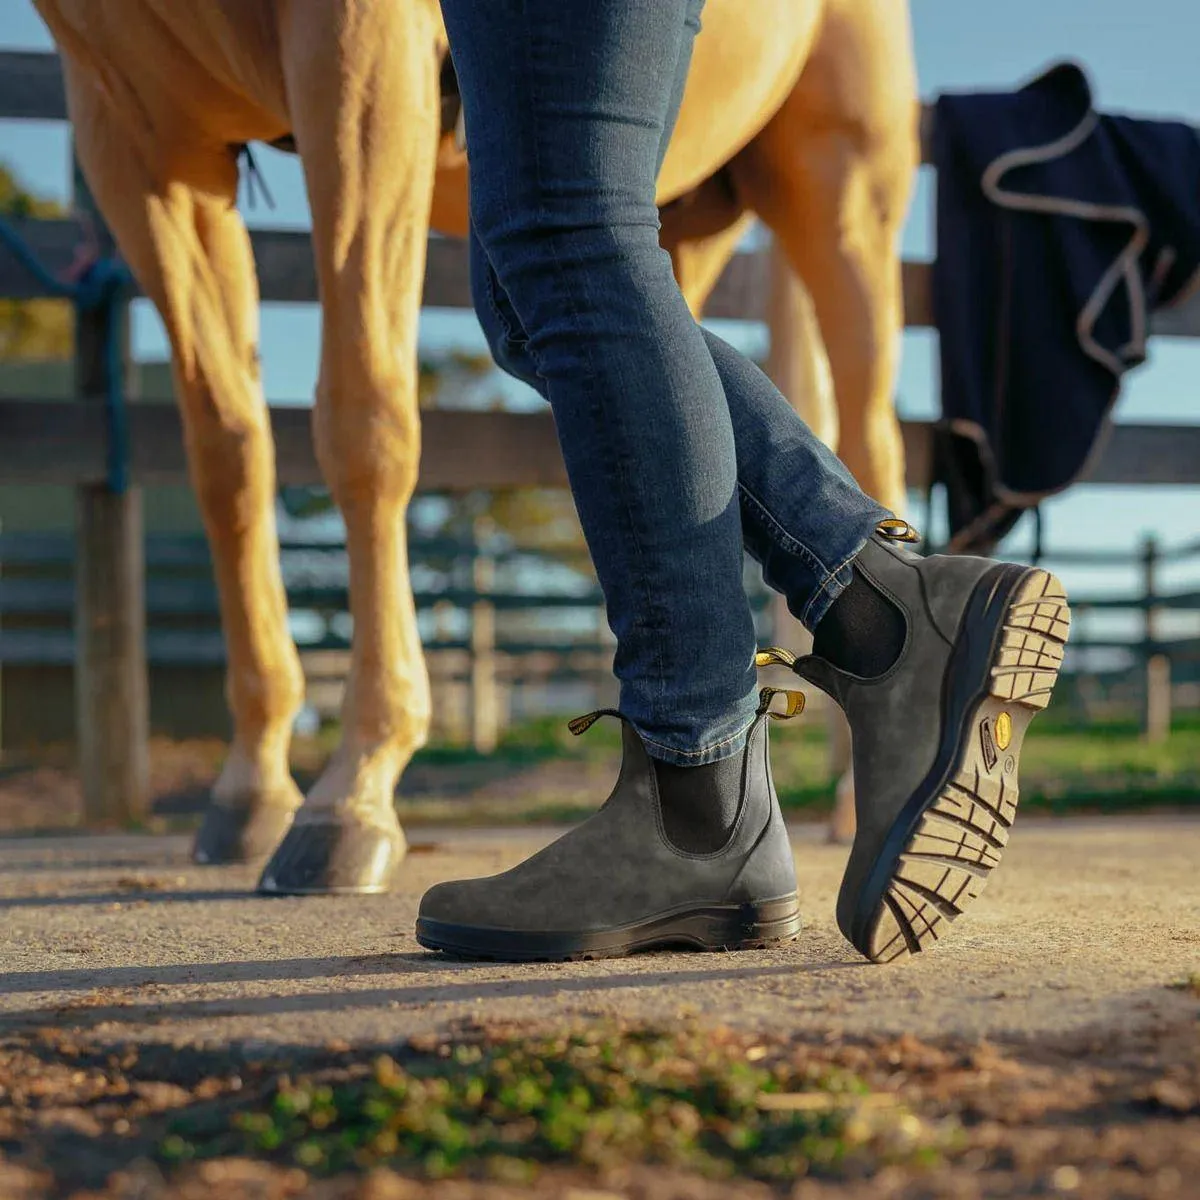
[962, 834]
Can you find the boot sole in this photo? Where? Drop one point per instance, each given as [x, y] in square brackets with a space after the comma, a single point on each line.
[709, 927]
[950, 836]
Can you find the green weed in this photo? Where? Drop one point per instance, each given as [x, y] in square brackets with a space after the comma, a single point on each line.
[595, 1099]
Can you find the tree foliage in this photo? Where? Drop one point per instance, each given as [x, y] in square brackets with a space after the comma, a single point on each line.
[31, 329]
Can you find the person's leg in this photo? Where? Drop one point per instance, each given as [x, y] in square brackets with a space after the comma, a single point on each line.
[570, 109]
[565, 114]
[803, 517]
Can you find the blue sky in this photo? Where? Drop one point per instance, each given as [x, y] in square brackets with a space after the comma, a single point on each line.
[1142, 59]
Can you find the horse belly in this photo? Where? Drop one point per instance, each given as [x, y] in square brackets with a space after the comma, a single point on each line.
[747, 59]
[178, 71]
[742, 71]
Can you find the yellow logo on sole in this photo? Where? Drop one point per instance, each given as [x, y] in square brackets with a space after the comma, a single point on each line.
[1003, 730]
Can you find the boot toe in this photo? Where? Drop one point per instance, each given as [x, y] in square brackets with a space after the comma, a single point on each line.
[457, 902]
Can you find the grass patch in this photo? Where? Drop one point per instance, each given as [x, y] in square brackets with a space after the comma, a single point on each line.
[1065, 768]
[714, 1105]
[1109, 767]
[1190, 984]
[542, 739]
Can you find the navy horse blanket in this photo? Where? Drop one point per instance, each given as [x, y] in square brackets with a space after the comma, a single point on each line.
[1059, 231]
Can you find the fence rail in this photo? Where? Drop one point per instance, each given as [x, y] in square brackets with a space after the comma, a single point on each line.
[65, 442]
[36, 614]
[37, 596]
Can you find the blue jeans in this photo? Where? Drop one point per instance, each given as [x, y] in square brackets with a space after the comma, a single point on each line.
[678, 449]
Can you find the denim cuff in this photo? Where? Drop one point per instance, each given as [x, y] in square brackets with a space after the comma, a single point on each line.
[724, 747]
[828, 590]
[792, 567]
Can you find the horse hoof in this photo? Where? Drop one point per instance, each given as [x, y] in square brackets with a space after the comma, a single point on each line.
[330, 857]
[241, 833]
[842, 822]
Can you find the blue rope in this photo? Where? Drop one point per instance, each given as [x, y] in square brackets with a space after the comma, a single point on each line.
[99, 288]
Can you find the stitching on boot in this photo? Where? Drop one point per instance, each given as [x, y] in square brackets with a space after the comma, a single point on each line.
[948, 638]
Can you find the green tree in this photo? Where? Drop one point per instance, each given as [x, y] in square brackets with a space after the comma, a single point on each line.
[31, 329]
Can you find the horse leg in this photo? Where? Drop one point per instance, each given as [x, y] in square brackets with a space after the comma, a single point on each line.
[797, 362]
[799, 366]
[701, 231]
[836, 197]
[363, 94]
[176, 223]
[832, 174]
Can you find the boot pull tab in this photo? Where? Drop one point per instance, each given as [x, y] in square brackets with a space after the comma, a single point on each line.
[777, 656]
[774, 656]
[793, 708]
[897, 530]
[580, 725]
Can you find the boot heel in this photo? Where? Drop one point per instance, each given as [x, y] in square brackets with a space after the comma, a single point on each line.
[766, 923]
[1025, 666]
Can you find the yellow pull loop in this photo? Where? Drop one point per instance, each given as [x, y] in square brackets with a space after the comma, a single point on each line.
[580, 725]
[897, 530]
[793, 708]
[774, 656]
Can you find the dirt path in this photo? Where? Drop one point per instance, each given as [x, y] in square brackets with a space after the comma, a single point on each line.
[1085, 927]
[1054, 1040]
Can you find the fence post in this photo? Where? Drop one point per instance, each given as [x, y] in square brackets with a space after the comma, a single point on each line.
[111, 689]
[1156, 709]
[485, 724]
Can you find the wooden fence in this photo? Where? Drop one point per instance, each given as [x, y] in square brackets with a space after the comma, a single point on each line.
[67, 443]
[496, 617]
[1162, 664]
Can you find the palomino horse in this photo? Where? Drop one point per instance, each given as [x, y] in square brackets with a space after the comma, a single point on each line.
[803, 112]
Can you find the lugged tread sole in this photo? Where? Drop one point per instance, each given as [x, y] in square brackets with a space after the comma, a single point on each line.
[961, 834]
[705, 927]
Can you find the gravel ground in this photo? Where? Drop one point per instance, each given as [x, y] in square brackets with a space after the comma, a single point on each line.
[1085, 925]
[1060, 1017]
